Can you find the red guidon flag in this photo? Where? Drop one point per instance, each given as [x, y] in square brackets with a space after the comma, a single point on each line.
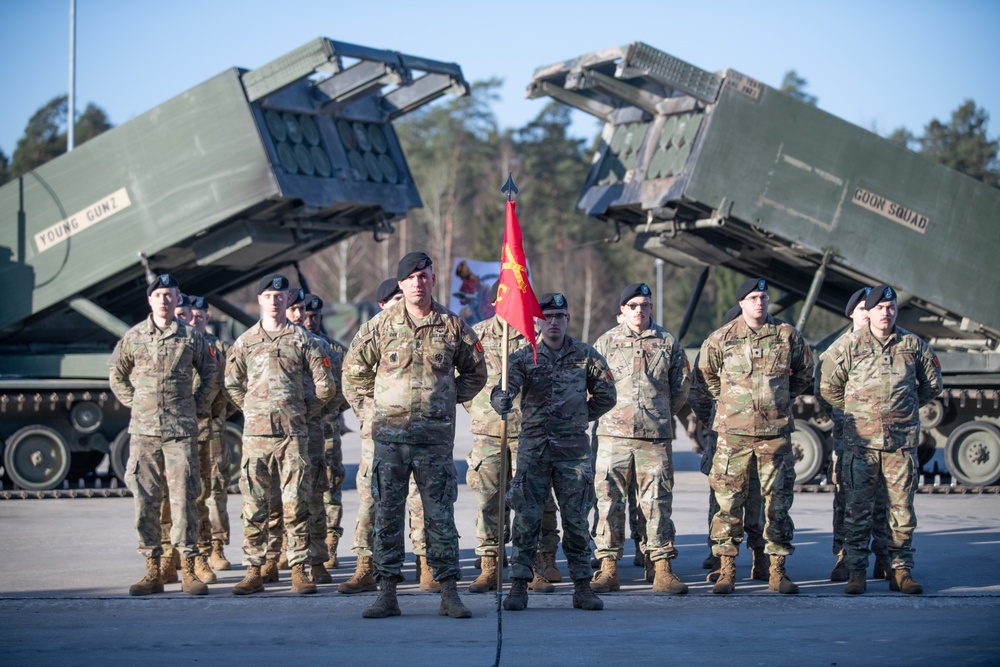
[516, 302]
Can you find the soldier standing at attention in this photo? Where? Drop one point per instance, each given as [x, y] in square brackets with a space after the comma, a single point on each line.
[554, 447]
[652, 379]
[753, 368]
[280, 379]
[152, 372]
[412, 365]
[879, 379]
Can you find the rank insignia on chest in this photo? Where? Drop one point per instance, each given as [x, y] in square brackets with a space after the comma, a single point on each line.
[757, 353]
[886, 360]
[439, 358]
[393, 357]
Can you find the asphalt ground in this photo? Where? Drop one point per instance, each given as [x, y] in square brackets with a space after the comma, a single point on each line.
[66, 565]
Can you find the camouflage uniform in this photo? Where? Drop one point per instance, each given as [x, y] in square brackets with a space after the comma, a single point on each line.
[152, 372]
[635, 447]
[554, 447]
[880, 388]
[333, 454]
[280, 380]
[404, 375]
[753, 377]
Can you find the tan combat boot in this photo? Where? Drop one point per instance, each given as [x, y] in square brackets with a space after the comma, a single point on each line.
[451, 604]
[640, 557]
[726, 583]
[427, 582]
[540, 584]
[545, 562]
[584, 598]
[217, 559]
[517, 599]
[332, 541]
[283, 558]
[386, 603]
[362, 580]
[839, 572]
[319, 575]
[606, 579]
[300, 582]
[779, 581]
[203, 571]
[487, 579]
[760, 567]
[252, 582]
[151, 583]
[168, 573]
[190, 583]
[856, 583]
[883, 568]
[902, 582]
[665, 581]
[269, 573]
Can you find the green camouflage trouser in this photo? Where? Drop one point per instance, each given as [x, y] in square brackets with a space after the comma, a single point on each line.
[334, 459]
[864, 471]
[880, 520]
[753, 508]
[221, 468]
[648, 465]
[364, 529]
[572, 479]
[270, 462]
[730, 479]
[636, 521]
[156, 467]
[432, 469]
[483, 478]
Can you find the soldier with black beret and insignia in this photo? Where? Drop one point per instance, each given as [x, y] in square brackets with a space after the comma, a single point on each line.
[152, 372]
[879, 378]
[406, 370]
[562, 391]
[753, 368]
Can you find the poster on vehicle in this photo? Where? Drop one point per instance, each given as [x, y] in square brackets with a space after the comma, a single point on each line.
[470, 289]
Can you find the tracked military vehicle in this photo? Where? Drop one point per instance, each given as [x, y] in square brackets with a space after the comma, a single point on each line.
[248, 172]
[717, 169]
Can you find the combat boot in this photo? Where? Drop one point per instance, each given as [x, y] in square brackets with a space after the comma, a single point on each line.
[283, 558]
[856, 583]
[427, 582]
[711, 562]
[540, 584]
[839, 572]
[606, 579]
[902, 582]
[640, 556]
[779, 581]
[190, 583]
[584, 597]
[300, 582]
[726, 582]
[217, 559]
[252, 583]
[883, 568]
[203, 571]
[665, 581]
[168, 573]
[545, 562]
[152, 582]
[451, 604]
[487, 579]
[361, 581]
[517, 599]
[332, 541]
[319, 575]
[760, 567]
[269, 573]
[386, 603]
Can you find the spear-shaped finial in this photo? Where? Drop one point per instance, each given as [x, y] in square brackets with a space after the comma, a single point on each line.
[509, 188]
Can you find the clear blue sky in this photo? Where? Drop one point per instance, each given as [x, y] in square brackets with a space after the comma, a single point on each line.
[879, 64]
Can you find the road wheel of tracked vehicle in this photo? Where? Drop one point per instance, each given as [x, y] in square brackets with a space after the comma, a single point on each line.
[36, 458]
[119, 454]
[807, 446]
[232, 437]
[972, 454]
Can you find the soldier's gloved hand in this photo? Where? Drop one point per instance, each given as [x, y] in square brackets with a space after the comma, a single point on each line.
[501, 401]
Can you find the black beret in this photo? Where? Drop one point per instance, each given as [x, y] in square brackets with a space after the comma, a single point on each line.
[274, 282]
[314, 303]
[414, 261]
[163, 280]
[388, 289]
[297, 297]
[185, 300]
[879, 294]
[198, 302]
[750, 285]
[553, 301]
[855, 299]
[635, 289]
[494, 291]
[732, 314]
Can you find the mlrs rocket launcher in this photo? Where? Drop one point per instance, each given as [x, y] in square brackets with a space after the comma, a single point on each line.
[241, 175]
[718, 169]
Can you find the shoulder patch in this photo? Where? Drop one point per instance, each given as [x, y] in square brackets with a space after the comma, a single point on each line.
[479, 346]
[934, 360]
[211, 350]
[326, 361]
